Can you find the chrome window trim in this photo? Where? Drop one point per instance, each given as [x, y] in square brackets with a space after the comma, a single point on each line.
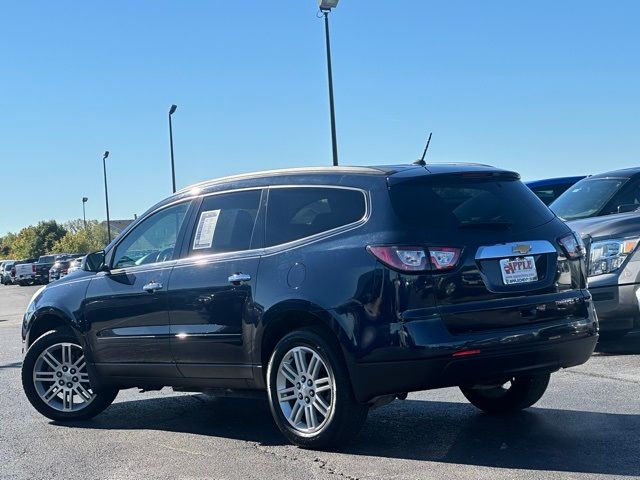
[257, 252]
[506, 250]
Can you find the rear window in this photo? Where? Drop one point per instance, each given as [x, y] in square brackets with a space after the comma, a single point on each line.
[474, 203]
[47, 259]
[295, 213]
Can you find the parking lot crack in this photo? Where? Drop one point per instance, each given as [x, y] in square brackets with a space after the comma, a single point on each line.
[332, 471]
[599, 375]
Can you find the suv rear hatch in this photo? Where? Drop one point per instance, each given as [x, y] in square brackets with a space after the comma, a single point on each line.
[496, 256]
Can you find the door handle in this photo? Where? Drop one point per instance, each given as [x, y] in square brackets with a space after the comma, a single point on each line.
[152, 287]
[237, 278]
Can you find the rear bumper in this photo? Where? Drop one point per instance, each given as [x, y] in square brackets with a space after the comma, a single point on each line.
[534, 349]
[617, 306]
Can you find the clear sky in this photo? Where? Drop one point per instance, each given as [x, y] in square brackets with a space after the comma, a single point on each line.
[547, 88]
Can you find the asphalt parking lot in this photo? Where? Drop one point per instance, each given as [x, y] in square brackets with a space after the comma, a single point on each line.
[586, 426]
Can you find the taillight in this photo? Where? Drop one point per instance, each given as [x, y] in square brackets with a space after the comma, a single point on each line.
[33, 267]
[444, 258]
[572, 245]
[406, 259]
[416, 259]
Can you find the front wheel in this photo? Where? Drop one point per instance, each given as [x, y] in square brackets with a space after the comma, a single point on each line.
[56, 381]
[515, 394]
[310, 392]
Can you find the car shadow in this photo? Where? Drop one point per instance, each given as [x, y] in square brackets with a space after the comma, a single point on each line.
[627, 345]
[536, 439]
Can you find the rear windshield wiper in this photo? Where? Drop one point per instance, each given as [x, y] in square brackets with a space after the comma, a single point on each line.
[495, 225]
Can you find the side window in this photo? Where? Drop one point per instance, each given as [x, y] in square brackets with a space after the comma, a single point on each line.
[225, 223]
[546, 194]
[295, 213]
[153, 240]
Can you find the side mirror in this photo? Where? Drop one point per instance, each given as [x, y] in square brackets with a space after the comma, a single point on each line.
[627, 207]
[95, 262]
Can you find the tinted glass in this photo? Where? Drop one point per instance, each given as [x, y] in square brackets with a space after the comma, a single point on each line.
[586, 198]
[225, 223]
[153, 240]
[47, 259]
[628, 196]
[468, 203]
[295, 213]
[546, 194]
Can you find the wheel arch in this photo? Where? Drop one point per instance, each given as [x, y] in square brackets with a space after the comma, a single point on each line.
[45, 320]
[291, 315]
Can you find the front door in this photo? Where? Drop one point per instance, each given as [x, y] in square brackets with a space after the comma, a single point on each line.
[212, 288]
[126, 308]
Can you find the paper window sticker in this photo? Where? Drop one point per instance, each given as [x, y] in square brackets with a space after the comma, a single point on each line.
[206, 229]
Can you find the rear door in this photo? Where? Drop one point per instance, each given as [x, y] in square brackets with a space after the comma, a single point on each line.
[212, 287]
[508, 246]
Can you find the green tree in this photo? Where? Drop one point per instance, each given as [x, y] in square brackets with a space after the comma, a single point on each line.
[36, 240]
[6, 244]
[82, 240]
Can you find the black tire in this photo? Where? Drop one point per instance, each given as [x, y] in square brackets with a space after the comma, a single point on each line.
[523, 392]
[347, 416]
[103, 398]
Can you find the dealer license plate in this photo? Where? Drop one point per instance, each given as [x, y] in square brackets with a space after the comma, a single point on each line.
[518, 270]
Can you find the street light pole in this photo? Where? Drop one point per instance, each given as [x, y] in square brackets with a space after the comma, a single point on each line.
[173, 167]
[325, 8]
[84, 213]
[106, 193]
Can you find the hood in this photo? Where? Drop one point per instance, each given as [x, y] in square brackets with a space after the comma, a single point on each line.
[616, 225]
[73, 276]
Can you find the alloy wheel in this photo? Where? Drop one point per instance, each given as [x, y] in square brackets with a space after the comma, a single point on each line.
[61, 379]
[305, 390]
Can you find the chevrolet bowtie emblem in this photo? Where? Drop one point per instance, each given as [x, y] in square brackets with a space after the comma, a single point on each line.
[522, 249]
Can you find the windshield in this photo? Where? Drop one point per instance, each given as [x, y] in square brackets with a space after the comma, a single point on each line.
[468, 203]
[586, 198]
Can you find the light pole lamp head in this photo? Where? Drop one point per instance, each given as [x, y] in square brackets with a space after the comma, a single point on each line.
[172, 109]
[85, 199]
[327, 5]
[106, 154]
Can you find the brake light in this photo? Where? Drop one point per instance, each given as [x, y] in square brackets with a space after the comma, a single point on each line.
[416, 259]
[572, 245]
[406, 259]
[33, 267]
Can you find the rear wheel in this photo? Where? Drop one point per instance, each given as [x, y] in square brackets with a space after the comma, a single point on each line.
[56, 381]
[310, 392]
[517, 393]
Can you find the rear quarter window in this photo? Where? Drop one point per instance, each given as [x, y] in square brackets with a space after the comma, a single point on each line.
[468, 203]
[299, 212]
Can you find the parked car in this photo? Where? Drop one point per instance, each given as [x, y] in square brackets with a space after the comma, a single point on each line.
[604, 210]
[5, 272]
[75, 265]
[44, 263]
[549, 189]
[23, 272]
[333, 289]
[61, 267]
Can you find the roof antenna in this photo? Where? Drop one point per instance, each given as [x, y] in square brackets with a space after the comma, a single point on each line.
[424, 154]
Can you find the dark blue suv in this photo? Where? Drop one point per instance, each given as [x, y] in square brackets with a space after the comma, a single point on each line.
[332, 289]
